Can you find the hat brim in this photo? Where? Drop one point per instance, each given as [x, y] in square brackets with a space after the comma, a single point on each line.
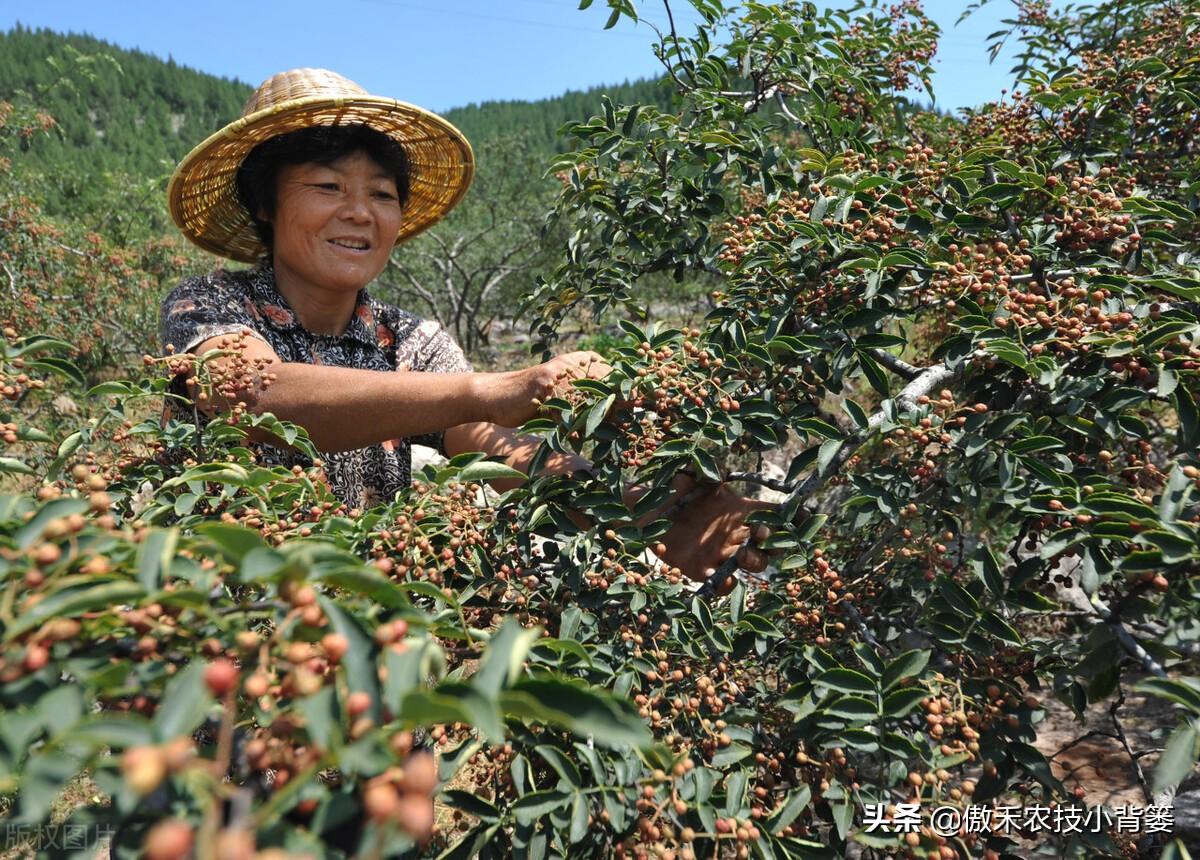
[202, 195]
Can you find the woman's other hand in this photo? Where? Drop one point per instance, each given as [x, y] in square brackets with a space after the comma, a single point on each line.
[516, 396]
[708, 530]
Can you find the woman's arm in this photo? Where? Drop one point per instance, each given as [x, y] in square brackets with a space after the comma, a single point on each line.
[344, 408]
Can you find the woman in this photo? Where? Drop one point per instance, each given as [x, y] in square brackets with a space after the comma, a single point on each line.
[315, 183]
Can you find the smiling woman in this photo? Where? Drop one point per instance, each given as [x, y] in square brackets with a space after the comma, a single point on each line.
[315, 184]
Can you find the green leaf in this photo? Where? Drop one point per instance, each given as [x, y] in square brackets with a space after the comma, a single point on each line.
[1035, 443]
[847, 681]
[597, 412]
[707, 465]
[562, 765]
[450, 703]
[796, 803]
[569, 622]
[504, 659]
[1178, 758]
[720, 138]
[370, 583]
[856, 413]
[1179, 691]
[1167, 382]
[42, 781]
[113, 730]
[52, 510]
[60, 367]
[534, 805]
[488, 470]
[74, 600]
[472, 844]
[154, 556]
[874, 374]
[1174, 494]
[998, 627]
[900, 702]
[232, 541]
[852, 708]
[321, 718]
[66, 450]
[472, 804]
[119, 388]
[905, 665]
[843, 817]
[262, 564]
[958, 597]
[730, 755]
[630, 118]
[703, 615]
[359, 661]
[573, 705]
[428, 589]
[421, 662]
[1189, 420]
[1174, 547]
[828, 453]
[61, 708]
[11, 465]
[579, 818]
[985, 564]
[185, 702]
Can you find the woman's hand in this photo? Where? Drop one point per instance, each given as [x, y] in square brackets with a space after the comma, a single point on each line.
[708, 530]
[516, 396]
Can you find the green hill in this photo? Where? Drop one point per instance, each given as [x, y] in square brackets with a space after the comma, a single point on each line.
[129, 113]
[118, 110]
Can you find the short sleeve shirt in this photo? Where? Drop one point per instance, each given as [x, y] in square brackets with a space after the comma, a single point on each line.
[379, 337]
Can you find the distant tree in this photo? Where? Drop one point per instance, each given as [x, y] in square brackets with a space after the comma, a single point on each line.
[468, 269]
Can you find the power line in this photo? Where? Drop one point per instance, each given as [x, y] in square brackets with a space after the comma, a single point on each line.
[483, 16]
[679, 14]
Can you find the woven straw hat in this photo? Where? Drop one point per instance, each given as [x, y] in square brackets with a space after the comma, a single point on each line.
[203, 197]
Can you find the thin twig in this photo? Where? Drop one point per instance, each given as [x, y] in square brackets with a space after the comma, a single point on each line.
[257, 606]
[1120, 730]
[12, 280]
[760, 479]
[897, 365]
[1095, 733]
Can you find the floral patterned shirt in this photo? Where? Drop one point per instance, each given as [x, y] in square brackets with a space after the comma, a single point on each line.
[379, 337]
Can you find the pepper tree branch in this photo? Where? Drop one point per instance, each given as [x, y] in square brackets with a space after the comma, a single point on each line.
[929, 378]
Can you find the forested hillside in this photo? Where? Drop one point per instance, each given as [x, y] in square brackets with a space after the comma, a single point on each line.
[129, 112]
[542, 119]
[117, 109]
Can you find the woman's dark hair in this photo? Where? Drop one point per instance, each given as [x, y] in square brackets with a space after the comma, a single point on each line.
[322, 144]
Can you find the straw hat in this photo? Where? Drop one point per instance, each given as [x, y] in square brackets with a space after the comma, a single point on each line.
[203, 197]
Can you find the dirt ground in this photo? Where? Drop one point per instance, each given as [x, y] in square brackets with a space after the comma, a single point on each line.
[1100, 763]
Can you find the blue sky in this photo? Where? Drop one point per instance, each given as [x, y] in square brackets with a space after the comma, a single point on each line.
[445, 53]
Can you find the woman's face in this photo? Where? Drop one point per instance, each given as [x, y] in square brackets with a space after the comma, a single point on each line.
[335, 224]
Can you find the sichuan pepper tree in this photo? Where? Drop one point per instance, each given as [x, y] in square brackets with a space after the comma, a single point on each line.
[982, 334]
